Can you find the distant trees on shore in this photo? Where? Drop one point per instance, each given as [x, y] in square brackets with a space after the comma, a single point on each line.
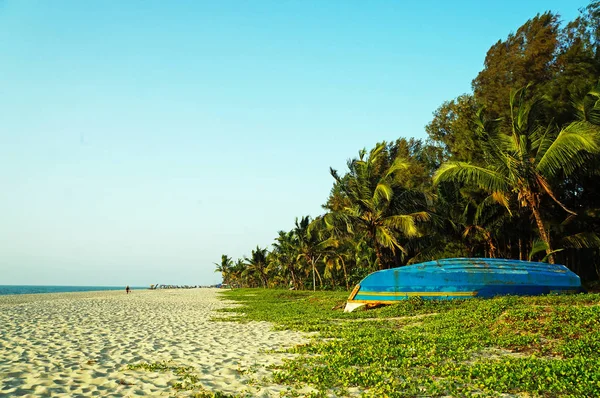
[509, 170]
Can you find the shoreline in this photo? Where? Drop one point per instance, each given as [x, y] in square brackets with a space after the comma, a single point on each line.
[81, 343]
[11, 290]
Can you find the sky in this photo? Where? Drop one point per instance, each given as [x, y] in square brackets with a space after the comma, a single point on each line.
[140, 140]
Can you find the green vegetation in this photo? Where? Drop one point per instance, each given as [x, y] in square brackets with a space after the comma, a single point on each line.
[541, 346]
[508, 170]
[186, 380]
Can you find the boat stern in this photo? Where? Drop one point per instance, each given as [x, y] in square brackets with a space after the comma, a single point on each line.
[351, 305]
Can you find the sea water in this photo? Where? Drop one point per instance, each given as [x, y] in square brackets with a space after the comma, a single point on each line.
[30, 289]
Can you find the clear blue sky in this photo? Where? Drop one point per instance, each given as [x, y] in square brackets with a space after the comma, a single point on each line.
[140, 140]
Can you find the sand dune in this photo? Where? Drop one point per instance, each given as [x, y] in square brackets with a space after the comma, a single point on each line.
[79, 344]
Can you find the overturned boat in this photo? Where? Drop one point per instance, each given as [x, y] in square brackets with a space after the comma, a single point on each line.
[460, 278]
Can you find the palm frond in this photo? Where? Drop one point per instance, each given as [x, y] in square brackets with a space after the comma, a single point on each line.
[587, 107]
[383, 191]
[328, 243]
[362, 153]
[399, 164]
[496, 198]
[483, 178]
[403, 223]
[538, 246]
[375, 152]
[546, 188]
[571, 149]
[420, 216]
[386, 238]
[492, 141]
[502, 199]
[498, 144]
[334, 174]
[542, 139]
[550, 254]
[583, 240]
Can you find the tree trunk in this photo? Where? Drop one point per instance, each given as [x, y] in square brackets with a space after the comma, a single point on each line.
[520, 249]
[291, 269]
[313, 262]
[379, 256]
[492, 247]
[318, 275]
[345, 273]
[540, 224]
[314, 280]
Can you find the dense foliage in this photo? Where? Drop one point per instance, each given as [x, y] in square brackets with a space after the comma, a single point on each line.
[528, 346]
[508, 170]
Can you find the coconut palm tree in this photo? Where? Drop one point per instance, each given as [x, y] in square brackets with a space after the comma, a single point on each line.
[308, 246]
[370, 209]
[236, 273]
[284, 254]
[521, 165]
[256, 265]
[333, 245]
[225, 268]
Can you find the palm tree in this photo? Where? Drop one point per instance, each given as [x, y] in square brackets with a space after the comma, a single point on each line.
[256, 265]
[336, 246]
[480, 217]
[308, 247]
[284, 255]
[520, 165]
[369, 207]
[236, 273]
[225, 268]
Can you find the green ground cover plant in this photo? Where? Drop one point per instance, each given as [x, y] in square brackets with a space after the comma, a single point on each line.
[525, 346]
[186, 379]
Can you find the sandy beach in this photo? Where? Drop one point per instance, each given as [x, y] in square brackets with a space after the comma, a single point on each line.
[79, 344]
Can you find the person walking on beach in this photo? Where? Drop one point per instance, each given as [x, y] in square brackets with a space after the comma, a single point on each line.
[127, 289]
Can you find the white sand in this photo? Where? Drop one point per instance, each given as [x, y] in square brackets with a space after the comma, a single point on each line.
[79, 344]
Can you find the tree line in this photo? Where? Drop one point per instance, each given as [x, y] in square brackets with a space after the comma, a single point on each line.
[509, 170]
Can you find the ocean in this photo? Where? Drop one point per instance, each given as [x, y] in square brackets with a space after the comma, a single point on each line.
[30, 289]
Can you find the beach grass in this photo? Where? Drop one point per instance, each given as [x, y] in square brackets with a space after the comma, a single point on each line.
[520, 346]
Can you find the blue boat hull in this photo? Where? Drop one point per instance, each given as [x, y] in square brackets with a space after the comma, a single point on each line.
[460, 278]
